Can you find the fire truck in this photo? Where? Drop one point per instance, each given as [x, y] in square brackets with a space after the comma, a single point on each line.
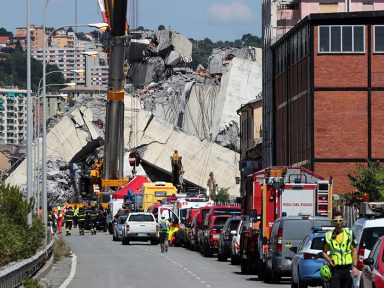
[270, 194]
[181, 207]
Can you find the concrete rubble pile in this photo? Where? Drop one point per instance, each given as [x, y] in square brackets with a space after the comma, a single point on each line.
[152, 54]
[167, 108]
[204, 103]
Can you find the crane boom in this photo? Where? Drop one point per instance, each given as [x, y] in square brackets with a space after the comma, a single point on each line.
[114, 128]
[102, 10]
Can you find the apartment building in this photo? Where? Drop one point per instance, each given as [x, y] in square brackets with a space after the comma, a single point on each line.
[36, 37]
[72, 57]
[13, 116]
[328, 94]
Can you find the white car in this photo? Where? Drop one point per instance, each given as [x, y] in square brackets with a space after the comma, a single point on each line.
[235, 246]
[367, 230]
[140, 226]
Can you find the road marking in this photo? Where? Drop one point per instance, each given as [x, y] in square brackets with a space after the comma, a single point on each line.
[72, 273]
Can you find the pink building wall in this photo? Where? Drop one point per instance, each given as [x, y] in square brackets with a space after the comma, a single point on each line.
[287, 18]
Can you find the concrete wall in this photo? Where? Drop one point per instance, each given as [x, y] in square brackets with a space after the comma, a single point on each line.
[239, 85]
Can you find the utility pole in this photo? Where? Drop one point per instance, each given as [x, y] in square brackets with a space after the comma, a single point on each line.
[44, 130]
[29, 112]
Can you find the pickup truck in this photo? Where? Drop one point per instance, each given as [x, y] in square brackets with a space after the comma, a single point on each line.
[140, 226]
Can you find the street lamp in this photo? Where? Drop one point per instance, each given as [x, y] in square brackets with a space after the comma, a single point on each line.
[44, 116]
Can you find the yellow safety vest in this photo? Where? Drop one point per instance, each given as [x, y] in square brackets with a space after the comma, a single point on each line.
[341, 253]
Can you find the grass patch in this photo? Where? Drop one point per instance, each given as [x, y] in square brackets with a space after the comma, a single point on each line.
[30, 283]
[60, 249]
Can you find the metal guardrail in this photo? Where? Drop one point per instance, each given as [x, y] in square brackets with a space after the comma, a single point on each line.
[14, 274]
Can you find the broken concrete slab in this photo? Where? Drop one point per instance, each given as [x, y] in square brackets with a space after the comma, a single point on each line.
[241, 83]
[183, 46]
[159, 139]
[136, 49]
[64, 141]
[221, 57]
[142, 73]
[173, 58]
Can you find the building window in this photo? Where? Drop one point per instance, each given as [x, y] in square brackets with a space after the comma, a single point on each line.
[341, 39]
[379, 38]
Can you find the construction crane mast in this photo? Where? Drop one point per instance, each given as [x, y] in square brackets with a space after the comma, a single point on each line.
[116, 11]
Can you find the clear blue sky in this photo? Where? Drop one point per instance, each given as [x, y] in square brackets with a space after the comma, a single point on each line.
[215, 19]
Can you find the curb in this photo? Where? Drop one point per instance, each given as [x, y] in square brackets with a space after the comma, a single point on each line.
[43, 271]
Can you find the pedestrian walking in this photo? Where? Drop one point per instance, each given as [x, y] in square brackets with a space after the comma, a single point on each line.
[163, 234]
[94, 217]
[341, 245]
[81, 220]
[68, 221]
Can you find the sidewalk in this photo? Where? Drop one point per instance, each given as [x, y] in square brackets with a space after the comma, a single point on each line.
[59, 272]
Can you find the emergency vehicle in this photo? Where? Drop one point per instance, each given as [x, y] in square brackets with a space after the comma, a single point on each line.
[181, 207]
[270, 194]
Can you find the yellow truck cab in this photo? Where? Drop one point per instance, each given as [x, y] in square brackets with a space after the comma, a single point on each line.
[155, 191]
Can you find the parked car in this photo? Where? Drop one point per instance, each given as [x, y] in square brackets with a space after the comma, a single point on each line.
[235, 246]
[307, 261]
[225, 240]
[140, 226]
[193, 233]
[118, 227]
[373, 271]
[288, 232]
[188, 227]
[210, 241]
[367, 231]
[214, 211]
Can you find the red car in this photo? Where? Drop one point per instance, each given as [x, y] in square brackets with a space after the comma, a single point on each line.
[373, 271]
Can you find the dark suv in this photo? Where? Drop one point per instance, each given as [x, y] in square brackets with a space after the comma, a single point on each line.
[225, 240]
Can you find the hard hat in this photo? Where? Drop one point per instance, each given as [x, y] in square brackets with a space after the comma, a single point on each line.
[325, 272]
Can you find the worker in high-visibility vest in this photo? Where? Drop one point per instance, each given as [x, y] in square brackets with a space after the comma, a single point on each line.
[69, 221]
[81, 220]
[75, 215]
[94, 218]
[341, 245]
[163, 234]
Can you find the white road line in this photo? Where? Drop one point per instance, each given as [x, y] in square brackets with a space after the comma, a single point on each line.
[72, 273]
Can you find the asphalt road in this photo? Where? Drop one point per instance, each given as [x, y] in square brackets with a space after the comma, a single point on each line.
[104, 263]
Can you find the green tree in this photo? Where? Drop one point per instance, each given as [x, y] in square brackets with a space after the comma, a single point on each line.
[13, 71]
[202, 49]
[140, 28]
[4, 32]
[222, 196]
[161, 27]
[367, 179]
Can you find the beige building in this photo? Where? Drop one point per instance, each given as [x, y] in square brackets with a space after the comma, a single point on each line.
[251, 115]
[250, 129]
[36, 37]
[63, 39]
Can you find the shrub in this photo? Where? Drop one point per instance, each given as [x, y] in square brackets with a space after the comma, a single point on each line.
[18, 240]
